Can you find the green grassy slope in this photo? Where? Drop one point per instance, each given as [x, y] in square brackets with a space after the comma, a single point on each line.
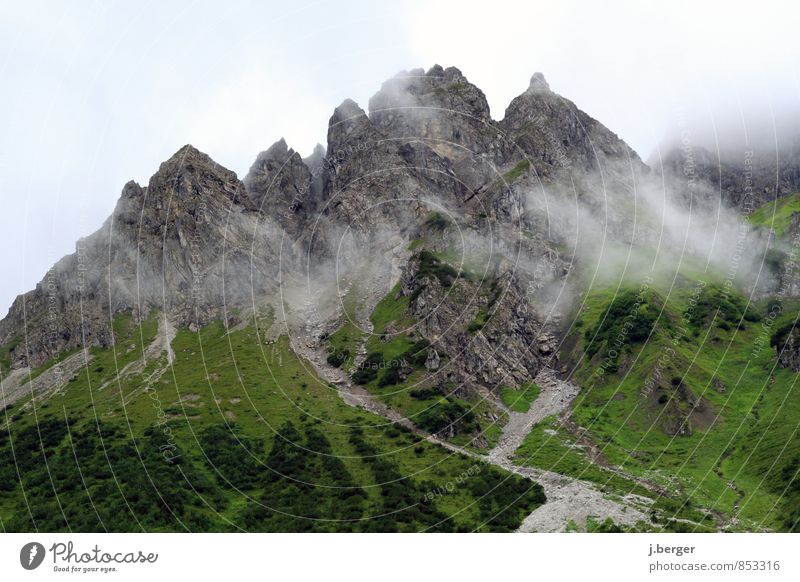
[688, 396]
[237, 434]
[778, 214]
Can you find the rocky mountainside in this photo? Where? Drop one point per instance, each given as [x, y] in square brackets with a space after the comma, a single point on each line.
[197, 238]
[746, 181]
[197, 243]
[190, 243]
[426, 163]
[437, 285]
[555, 134]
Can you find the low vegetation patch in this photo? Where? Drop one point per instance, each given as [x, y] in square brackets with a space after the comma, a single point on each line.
[437, 221]
[727, 310]
[480, 321]
[449, 416]
[778, 214]
[520, 400]
[337, 358]
[517, 171]
[628, 319]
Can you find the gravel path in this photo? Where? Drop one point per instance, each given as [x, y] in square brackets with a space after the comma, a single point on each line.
[554, 397]
[574, 501]
[568, 500]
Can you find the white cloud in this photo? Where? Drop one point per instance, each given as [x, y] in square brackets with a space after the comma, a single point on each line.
[96, 93]
[252, 109]
[630, 64]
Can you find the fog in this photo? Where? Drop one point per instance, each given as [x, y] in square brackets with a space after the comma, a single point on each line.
[653, 225]
[98, 93]
[771, 133]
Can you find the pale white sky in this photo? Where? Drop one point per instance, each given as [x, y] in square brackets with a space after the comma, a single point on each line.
[95, 93]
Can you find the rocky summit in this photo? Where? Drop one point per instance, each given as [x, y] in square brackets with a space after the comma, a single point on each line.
[433, 290]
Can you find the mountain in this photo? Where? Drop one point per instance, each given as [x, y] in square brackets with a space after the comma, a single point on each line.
[189, 243]
[556, 134]
[745, 180]
[438, 322]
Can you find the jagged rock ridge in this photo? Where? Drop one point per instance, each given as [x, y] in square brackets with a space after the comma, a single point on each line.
[197, 242]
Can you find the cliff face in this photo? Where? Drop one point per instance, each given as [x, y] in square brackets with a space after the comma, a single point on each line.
[786, 342]
[280, 185]
[482, 323]
[197, 243]
[747, 181]
[375, 179]
[189, 244]
[555, 134]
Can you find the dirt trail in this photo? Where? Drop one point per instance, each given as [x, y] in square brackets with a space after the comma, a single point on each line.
[163, 342]
[9, 385]
[568, 500]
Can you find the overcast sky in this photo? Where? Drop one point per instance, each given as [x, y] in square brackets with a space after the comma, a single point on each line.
[95, 93]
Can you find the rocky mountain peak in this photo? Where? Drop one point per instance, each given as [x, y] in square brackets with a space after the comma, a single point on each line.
[555, 133]
[181, 248]
[189, 173]
[538, 84]
[405, 100]
[446, 112]
[185, 244]
[279, 183]
[267, 163]
[132, 190]
[187, 156]
[278, 148]
[318, 153]
[349, 123]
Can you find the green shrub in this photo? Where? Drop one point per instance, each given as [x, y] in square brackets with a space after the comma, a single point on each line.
[628, 319]
[781, 335]
[233, 458]
[390, 377]
[429, 264]
[775, 260]
[338, 357]
[729, 308]
[417, 354]
[401, 509]
[448, 414]
[133, 484]
[424, 393]
[303, 478]
[504, 498]
[368, 370]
